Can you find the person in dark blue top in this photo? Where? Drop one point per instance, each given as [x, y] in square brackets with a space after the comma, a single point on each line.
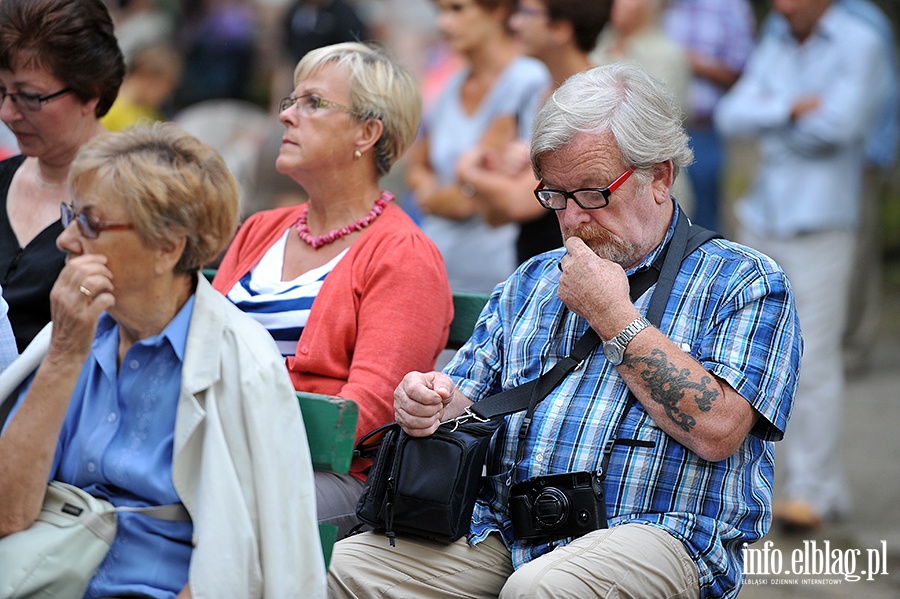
[60, 70]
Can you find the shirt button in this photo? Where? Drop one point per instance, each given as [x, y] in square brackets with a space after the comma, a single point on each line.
[112, 417]
[134, 364]
[539, 457]
[91, 466]
[304, 350]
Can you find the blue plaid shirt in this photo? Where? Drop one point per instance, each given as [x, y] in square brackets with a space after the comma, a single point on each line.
[733, 310]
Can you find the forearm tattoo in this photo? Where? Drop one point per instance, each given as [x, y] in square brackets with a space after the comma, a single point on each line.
[668, 386]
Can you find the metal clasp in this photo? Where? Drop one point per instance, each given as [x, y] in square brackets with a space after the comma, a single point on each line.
[467, 415]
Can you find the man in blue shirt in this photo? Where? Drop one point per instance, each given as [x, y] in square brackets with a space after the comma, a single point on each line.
[863, 314]
[689, 479]
[718, 35]
[810, 96]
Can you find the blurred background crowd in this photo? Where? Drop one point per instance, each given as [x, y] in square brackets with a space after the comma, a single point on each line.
[816, 186]
[220, 67]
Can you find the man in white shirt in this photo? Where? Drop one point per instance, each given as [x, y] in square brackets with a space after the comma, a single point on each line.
[810, 94]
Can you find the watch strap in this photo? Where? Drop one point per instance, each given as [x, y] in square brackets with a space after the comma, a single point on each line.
[622, 340]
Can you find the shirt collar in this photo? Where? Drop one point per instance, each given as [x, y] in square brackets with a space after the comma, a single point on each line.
[175, 333]
[828, 26]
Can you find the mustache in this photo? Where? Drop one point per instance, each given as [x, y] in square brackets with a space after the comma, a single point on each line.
[604, 243]
[590, 232]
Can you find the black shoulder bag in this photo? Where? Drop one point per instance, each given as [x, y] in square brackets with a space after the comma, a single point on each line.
[427, 486]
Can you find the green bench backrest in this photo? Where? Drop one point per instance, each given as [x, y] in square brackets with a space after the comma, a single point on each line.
[466, 310]
[331, 431]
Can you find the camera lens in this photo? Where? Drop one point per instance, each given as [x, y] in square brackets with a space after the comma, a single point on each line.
[551, 508]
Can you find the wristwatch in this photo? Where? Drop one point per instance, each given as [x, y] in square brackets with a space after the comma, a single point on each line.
[614, 349]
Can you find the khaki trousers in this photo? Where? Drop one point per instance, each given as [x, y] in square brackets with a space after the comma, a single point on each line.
[627, 561]
[819, 267]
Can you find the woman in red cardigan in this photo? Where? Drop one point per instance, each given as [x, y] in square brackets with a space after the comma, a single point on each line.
[353, 292]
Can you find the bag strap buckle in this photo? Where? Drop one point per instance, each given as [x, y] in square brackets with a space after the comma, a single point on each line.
[463, 418]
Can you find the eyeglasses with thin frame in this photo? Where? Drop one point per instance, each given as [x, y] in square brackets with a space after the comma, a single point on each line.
[89, 226]
[308, 104]
[31, 102]
[532, 12]
[587, 198]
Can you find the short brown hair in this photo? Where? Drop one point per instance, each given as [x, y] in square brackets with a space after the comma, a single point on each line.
[72, 39]
[587, 17]
[172, 184]
[507, 6]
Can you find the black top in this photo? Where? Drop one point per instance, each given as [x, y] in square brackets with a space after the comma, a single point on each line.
[309, 26]
[28, 274]
[538, 236]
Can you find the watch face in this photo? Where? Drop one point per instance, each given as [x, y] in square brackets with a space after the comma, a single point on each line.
[613, 354]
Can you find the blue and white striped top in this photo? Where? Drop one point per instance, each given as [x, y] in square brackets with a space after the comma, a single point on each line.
[282, 307]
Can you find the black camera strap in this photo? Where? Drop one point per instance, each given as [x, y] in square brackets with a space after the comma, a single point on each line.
[685, 239]
[670, 257]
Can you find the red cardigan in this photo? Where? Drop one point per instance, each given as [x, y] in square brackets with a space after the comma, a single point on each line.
[384, 310]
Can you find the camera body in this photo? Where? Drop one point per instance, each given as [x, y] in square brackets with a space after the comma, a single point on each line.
[558, 505]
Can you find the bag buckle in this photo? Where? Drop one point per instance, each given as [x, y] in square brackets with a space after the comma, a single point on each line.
[463, 418]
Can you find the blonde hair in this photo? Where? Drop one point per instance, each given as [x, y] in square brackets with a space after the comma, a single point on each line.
[380, 88]
[172, 185]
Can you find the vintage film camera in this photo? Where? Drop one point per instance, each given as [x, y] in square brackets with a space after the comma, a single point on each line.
[557, 506]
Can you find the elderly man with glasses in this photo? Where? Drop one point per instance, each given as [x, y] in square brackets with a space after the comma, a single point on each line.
[676, 422]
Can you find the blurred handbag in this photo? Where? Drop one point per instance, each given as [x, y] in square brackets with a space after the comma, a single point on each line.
[59, 554]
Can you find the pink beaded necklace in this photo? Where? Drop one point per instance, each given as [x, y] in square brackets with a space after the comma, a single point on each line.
[318, 241]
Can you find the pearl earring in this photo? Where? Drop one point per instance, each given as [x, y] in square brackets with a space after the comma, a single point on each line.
[357, 154]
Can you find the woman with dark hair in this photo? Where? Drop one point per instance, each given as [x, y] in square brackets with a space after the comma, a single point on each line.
[60, 71]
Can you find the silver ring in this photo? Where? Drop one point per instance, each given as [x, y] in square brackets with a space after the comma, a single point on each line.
[86, 291]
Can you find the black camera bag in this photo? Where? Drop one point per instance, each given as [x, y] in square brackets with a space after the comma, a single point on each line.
[426, 486]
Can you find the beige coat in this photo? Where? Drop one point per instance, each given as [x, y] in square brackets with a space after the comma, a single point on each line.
[242, 464]
[241, 460]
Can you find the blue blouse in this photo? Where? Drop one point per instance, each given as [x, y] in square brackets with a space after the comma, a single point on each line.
[117, 442]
